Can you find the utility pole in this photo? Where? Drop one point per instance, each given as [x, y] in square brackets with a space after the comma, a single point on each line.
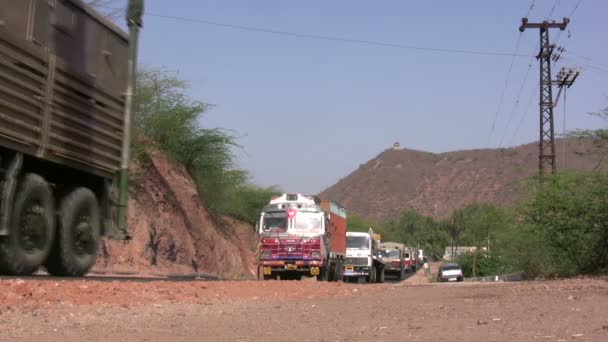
[546, 157]
[134, 18]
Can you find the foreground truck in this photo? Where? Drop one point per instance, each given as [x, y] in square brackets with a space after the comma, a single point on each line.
[301, 236]
[363, 260]
[66, 87]
[393, 254]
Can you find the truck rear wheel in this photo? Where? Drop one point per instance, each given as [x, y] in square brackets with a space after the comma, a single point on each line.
[400, 275]
[323, 274]
[380, 275]
[78, 235]
[371, 278]
[32, 228]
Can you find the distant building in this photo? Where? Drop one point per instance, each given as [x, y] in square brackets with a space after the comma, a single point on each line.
[460, 250]
[396, 146]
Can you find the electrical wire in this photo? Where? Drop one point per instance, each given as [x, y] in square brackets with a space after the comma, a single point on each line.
[512, 114]
[336, 39]
[507, 80]
[523, 116]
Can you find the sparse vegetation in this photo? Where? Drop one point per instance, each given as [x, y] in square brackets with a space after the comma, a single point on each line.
[559, 229]
[171, 120]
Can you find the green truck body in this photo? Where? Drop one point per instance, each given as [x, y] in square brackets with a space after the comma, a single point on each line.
[63, 85]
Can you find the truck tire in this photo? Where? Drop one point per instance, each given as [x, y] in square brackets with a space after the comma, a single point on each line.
[371, 278]
[323, 274]
[380, 275]
[401, 274]
[31, 228]
[338, 271]
[78, 235]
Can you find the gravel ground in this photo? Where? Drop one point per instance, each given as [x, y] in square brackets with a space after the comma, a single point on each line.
[47, 310]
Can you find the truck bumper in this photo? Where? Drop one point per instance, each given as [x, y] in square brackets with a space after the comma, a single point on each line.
[311, 267]
[356, 271]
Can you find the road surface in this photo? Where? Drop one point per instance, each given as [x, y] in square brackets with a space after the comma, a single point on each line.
[93, 310]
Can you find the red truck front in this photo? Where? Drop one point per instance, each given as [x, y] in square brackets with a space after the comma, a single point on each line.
[294, 240]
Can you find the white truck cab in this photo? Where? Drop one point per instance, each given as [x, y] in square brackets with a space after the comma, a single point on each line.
[363, 260]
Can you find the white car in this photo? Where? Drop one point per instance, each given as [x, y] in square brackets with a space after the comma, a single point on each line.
[450, 272]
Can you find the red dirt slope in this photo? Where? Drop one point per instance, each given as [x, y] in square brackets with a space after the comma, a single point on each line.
[173, 232]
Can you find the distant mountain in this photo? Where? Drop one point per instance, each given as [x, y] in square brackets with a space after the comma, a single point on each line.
[436, 184]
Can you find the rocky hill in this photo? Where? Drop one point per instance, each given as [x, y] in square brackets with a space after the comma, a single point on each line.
[436, 184]
[172, 232]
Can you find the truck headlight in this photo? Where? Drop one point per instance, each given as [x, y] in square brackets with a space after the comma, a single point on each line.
[265, 255]
[316, 255]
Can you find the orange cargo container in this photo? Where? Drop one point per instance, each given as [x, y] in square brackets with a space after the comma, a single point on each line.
[337, 225]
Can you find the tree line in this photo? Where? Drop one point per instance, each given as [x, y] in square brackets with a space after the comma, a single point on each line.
[560, 228]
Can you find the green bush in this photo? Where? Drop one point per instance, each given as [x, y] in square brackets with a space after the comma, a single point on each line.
[569, 211]
[171, 120]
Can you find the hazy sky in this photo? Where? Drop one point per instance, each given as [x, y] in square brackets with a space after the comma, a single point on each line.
[311, 110]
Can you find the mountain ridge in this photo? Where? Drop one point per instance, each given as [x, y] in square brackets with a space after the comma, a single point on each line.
[435, 184]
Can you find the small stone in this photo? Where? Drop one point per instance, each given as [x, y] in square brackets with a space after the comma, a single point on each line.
[481, 322]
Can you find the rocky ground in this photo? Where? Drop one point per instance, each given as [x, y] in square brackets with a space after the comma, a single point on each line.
[94, 310]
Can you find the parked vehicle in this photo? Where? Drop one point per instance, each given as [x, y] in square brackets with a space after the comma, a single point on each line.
[393, 254]
[66, 86]
[362, 258]
[301, 236]
[450, 272]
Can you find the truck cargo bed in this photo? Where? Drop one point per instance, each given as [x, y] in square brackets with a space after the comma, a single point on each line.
[62, 81]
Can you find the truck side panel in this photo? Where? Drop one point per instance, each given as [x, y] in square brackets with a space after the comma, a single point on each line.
[337, 226]
[62, 79]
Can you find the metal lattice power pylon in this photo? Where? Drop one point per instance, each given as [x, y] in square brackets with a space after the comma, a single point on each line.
[546, 157]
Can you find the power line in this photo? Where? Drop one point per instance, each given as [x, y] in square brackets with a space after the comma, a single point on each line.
[523, 116]
[521, 89]
[504, 89]
[336, 39]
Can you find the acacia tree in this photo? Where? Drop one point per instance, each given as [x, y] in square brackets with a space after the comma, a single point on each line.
[480, 223]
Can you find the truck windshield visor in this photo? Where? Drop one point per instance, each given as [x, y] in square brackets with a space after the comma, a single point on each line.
[275, 222]
[360, 242]
[307, 222]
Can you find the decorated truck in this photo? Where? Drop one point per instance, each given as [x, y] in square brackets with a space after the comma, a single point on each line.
[67, 77]
[393, 254]
[301, 236]
[414, 259]
[363, 260]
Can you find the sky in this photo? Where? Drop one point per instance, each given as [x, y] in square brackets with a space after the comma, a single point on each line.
[309, 111]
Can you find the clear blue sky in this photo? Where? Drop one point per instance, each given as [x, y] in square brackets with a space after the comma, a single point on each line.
[310, 111]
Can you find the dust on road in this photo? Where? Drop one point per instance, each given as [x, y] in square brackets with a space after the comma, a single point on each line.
[567, 310]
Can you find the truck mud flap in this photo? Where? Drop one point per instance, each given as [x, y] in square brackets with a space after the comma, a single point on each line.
[8, 192]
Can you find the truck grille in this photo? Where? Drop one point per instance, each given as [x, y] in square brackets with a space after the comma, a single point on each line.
[355, 261]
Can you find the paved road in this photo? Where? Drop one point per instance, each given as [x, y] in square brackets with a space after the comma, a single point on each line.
[552, 311]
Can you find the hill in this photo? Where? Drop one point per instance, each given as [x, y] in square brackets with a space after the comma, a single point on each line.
[436, 184]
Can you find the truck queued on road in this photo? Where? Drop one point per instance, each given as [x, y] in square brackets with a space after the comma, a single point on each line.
[301, 236]
[393, 254]
[305, 236]
[363, 258]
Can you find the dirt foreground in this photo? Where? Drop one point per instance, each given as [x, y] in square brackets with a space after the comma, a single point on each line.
[85, 310]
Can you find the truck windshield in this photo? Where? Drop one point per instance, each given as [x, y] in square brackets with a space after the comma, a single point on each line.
[307, 221]
[390, 253]
[360, 242]
[275, 222]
